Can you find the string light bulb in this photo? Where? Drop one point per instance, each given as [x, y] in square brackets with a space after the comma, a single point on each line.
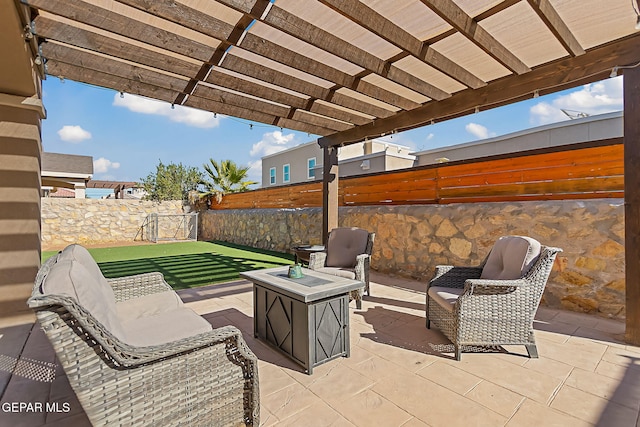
[121, 94]
[614, 72]
[536, 93]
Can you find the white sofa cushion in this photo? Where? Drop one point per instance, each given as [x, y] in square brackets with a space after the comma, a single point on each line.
[81, 254]
[164, 327]
[71, 278]
[148, 305]
[148, 320]
[444, 296]
[510, 258]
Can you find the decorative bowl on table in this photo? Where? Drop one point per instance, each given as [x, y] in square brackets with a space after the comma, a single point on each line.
[295, 272]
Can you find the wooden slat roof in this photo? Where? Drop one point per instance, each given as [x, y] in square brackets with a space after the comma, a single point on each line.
[341, 69]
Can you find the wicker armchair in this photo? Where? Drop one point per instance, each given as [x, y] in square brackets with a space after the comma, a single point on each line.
[348, 254]
[472, 310]
[207, 379]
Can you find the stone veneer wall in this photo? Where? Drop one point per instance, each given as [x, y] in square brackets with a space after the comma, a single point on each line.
[412, 240]
[96, 221]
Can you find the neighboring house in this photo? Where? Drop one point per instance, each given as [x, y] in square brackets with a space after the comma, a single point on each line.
[304, 162]
[131, 193]
[584, 129]
[61, 193]
[65, 171]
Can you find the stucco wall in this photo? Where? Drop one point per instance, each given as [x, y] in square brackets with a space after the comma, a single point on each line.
[412, 240]
[96, 221]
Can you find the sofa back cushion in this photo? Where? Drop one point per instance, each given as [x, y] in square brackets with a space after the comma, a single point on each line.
[79, 253]
[510, 258]
[71, 278]
[344, 245]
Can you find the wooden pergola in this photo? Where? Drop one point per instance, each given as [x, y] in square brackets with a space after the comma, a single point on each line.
[348, 70]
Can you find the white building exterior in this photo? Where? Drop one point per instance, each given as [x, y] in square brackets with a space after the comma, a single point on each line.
[591, 128]
[304, 162]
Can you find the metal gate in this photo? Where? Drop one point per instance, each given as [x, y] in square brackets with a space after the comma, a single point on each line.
[163, 227]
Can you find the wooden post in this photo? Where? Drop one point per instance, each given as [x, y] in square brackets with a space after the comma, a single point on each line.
[21, 112]
[632, 202]
[329, 192]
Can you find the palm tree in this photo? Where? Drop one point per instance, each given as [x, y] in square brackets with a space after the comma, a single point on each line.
[226, 177]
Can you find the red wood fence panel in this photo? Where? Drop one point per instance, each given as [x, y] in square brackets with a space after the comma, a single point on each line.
[578, 173]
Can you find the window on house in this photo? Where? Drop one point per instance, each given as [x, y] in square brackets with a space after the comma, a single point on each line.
[286, 173]
[272, 176]
[311, 171]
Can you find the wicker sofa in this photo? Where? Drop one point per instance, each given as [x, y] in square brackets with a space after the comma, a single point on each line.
[135, 355]
[495, 303]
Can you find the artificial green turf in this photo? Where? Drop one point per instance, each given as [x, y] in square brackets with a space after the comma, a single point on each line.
[185, 264]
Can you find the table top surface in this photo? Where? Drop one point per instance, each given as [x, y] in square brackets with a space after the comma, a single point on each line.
[309, 248]
[313, 286]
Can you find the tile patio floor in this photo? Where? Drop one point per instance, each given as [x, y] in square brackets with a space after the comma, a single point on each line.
[399, 373]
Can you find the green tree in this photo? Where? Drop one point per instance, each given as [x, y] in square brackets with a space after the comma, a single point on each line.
[226, 177]
[171, 182]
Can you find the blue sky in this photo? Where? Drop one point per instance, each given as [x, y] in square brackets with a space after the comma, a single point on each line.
[127, 135]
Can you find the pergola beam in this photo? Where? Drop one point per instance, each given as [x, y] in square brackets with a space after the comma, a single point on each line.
[107, 20]
[565, 73]
[557, 26]
[278, 78]
[92, 15]
[52, 27]
[296, 27]
[197, 21]
[106, 72]
[467, 26]
[368, 18]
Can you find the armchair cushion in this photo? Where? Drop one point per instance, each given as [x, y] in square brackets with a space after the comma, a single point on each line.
[344, 245]
[348, 273]
[510, 258]
[445, 297]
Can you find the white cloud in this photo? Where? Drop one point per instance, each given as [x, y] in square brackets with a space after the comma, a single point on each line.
[103, 165]
[73, 134]
[255, 171]
[477, 130]
[271, 143]
[430, 136]
[179, 114]
[592, 99]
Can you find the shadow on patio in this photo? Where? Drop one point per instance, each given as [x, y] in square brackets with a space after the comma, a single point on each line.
[399, 373]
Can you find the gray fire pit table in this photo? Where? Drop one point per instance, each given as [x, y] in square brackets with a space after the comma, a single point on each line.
[307, 319]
